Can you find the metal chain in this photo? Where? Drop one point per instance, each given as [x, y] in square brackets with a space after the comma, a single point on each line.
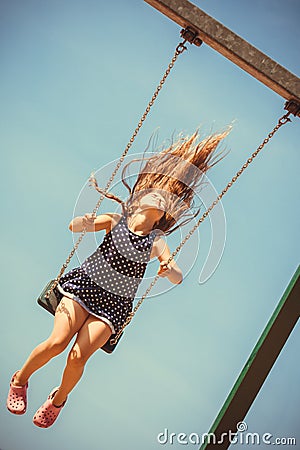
[282, 121]
[179, 49]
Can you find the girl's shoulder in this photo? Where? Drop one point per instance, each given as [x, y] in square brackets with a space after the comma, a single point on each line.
[106, 221]
[159, 246]
[115, 218]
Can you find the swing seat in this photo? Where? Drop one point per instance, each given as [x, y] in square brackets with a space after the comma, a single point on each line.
[51, 303]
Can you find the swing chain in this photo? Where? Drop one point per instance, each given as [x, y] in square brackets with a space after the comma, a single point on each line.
[179, 49]
[282, 121]
[130, 316]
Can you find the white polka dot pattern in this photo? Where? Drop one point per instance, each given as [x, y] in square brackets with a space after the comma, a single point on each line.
[108, 279]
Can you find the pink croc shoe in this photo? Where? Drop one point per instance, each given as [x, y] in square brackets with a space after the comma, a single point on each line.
[47, 414]
[17, 397]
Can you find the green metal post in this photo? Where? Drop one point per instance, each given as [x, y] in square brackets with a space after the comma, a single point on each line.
[256, 368]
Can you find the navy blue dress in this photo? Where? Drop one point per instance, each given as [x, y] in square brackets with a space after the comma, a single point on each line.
[106, 282]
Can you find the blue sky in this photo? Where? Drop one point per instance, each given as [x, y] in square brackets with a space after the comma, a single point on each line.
[75, 78]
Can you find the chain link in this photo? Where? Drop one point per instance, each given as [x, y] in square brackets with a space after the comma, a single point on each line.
[179, 49]
[282, 121]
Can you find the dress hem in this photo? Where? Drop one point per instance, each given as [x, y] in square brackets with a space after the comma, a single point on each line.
[81, 303]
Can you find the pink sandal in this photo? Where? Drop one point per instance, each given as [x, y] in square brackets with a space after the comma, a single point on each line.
[47, 414]
[17, 397]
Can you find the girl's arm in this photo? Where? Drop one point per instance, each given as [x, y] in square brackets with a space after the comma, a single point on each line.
[102, 222]
[171, 270]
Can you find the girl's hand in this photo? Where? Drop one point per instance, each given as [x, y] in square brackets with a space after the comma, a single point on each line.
[88, 221]
[164, 269]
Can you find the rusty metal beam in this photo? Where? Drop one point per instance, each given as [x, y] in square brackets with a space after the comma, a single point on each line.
[232, 46]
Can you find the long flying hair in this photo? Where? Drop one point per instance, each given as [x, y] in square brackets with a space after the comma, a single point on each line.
[176, 173]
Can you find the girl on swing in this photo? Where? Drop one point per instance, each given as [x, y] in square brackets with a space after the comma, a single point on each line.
[97, 297]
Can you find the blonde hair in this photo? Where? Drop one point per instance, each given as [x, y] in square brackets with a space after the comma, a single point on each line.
[176, 172]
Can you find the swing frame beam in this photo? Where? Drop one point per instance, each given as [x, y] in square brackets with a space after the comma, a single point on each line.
[232, 46]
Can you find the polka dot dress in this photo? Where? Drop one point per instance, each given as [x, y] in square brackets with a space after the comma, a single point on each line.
[106, 282]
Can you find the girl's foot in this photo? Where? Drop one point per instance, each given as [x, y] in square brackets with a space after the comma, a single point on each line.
[47, 414]
[17, 397]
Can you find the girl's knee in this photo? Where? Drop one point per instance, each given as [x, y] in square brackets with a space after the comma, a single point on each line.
[56, 345]
[79, 356]
[76, 357]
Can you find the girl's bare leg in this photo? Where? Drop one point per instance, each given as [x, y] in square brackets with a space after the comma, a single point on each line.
[69, 317]
[91, 336]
